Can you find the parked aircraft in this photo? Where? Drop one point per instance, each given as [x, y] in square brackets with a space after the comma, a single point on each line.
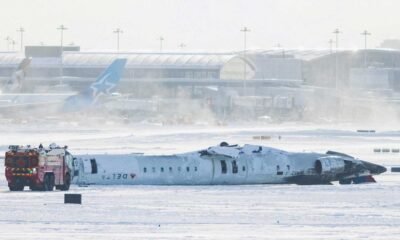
[225, 164]
[14, 84]
[66, 102]
[106, 82]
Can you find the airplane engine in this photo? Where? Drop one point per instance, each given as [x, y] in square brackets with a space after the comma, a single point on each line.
[328, 165]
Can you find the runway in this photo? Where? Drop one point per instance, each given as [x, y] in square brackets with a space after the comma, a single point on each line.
[368, 211]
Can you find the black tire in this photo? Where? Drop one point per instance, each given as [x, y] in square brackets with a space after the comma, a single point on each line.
[35, 188]
[67, 183]
[53, 182]
[48, 182]
[17, 187]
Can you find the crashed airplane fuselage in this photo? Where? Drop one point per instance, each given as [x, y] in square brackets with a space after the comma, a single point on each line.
[225, 164]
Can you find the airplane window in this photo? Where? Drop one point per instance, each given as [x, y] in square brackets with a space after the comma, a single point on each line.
[243, 168]
[234, 167]
[223, 167]
[170, 169]
[94, 165]
[187, 169]
[162, 169]
[195, 169]
[278, 172]
[153, 169]
[144, 170]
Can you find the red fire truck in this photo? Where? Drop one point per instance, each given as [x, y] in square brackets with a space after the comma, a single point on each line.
[39, 168]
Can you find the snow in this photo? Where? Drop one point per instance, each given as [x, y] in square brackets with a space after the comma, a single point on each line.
[367, 211]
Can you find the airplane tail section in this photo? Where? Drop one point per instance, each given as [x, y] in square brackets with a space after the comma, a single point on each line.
[17, 78]
[108, 80]
[103, 85]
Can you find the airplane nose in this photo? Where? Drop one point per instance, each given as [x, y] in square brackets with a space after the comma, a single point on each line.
[374, 168]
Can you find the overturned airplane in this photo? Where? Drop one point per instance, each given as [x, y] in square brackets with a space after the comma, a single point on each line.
[224, 164]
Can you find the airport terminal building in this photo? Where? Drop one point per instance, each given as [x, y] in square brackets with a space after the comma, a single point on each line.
[272, 81]
[375, 68]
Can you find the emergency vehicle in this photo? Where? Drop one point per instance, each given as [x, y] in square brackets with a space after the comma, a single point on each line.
[40, 168]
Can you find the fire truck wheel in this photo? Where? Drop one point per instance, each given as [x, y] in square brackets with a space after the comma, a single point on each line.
[18, 187]
[48, 182]
[67, 183]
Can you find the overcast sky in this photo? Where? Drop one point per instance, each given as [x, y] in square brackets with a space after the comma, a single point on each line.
[202, 25]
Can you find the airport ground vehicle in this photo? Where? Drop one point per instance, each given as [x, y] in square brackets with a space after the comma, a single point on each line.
[40, 168]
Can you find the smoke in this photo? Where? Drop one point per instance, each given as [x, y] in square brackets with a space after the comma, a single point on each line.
[359, 107]
[372, 108]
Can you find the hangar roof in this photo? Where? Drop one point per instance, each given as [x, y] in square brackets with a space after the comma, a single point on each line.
[173, 60]
[150, 60]
[305, 55]
[311, 54]
[10, 58]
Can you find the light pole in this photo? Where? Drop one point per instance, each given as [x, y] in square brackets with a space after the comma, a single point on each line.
[118, 31]
[62, 28]
[245, 30]
[21, 30]
[336, 32]
[161, 39]
[365, 33]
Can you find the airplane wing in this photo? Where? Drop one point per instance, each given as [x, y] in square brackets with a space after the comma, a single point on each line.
[18, 101]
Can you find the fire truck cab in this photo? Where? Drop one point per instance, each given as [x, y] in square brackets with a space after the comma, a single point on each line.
[40, 168]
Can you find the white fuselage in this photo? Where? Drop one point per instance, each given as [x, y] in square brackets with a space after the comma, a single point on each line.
[216, 165]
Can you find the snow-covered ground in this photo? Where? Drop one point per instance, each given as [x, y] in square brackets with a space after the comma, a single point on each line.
[206, 212]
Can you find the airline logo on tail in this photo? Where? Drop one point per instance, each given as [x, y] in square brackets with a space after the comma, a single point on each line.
[108, 79]
[103, 85]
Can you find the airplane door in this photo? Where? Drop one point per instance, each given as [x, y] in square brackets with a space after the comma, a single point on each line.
[88, 170]
[221, 170]
[87, 166]
[239, 171]
[82, 168]
[228, 170]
